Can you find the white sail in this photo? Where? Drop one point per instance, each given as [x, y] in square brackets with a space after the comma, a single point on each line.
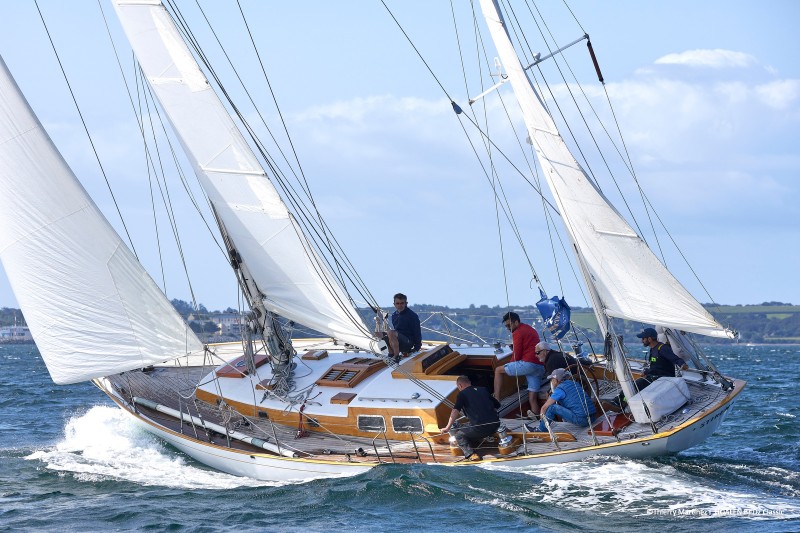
[294, 281]
[91, 307]
[629, 279]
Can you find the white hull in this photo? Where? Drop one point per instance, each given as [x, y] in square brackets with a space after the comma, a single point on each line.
[268, 467]
[258, 466]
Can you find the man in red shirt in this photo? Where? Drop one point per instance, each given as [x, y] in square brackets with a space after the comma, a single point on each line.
[523, 359]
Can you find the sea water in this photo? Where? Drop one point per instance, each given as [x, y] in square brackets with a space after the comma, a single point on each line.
[71, 461]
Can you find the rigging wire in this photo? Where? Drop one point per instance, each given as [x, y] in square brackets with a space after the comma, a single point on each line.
[333, 258]
[86, 129]
[628, 162]
[558, 105]
[625, 158]
[487, 147]
[299, 207]
[149, 162]
[304, 183]
[483, 134]
[164, 190]
[153, 199]
[304, 220]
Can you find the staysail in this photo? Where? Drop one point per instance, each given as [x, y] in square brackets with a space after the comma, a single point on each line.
[629, 280]
[295, 283]
[90, 305]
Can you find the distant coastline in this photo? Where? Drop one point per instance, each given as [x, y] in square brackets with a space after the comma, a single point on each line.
[766, 324]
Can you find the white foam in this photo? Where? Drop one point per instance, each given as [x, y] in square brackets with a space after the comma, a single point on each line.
[614, 485]
[105, 443]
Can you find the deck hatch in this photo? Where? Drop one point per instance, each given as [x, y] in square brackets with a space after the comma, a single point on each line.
[351, 372]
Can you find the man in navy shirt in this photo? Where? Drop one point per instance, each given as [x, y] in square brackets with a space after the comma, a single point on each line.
[662, 361]
[661, 358]
[404, 325]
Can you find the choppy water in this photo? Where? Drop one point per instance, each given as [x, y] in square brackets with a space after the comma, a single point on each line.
[70, 461]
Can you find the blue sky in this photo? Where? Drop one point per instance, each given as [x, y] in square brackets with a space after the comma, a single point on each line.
[707, 95]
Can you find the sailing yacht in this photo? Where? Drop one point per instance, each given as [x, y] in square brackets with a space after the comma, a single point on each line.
[279, 408]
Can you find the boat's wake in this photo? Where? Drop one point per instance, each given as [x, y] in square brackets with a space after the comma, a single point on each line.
[104, 443]
[648, 488]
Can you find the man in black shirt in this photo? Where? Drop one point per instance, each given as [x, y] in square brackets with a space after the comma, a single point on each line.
[661, 358]
[662, 361]
[481, 409]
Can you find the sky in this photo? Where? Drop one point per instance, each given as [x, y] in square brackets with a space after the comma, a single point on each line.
[707, 95]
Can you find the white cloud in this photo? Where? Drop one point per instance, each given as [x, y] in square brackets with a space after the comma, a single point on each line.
[780, 94]
[716, 58]
[359, 110]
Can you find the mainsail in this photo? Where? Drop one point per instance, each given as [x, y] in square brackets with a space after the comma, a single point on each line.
[91, 306]
[295, 283]
[628, 279]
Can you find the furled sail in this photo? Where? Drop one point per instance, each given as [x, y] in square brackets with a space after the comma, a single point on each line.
[90, 305]
[296, 284]
[629, 279]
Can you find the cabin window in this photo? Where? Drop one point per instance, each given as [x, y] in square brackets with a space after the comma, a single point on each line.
[371, 423]
[407, 424]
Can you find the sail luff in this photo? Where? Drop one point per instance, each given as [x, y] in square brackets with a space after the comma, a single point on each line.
[630, 281]
[294, 281]
[91, 307]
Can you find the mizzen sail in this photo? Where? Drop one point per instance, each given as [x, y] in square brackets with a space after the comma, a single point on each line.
[295, 283]
[629, 280]
[91, 307]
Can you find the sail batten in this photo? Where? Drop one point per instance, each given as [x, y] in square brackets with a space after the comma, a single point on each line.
[294, 281]
[90, 305]
[629, 279]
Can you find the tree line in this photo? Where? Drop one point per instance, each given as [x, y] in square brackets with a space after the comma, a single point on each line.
[768, 322]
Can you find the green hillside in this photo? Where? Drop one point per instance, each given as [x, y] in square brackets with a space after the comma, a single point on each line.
[769, 322]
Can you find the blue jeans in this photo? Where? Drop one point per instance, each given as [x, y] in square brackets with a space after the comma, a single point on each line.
[534, 374]
[565, 414]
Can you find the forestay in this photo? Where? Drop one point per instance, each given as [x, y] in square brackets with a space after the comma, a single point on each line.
[629, 280]
[296, 284]
[90, 305]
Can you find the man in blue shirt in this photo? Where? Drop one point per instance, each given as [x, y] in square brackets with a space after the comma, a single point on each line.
[568, 401]
[404, 326]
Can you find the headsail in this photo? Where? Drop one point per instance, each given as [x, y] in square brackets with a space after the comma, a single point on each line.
[90, 305]
[628, 278]
[296, 284]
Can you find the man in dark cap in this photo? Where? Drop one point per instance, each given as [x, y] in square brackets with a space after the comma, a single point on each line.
[662, 359]
[662, 362]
